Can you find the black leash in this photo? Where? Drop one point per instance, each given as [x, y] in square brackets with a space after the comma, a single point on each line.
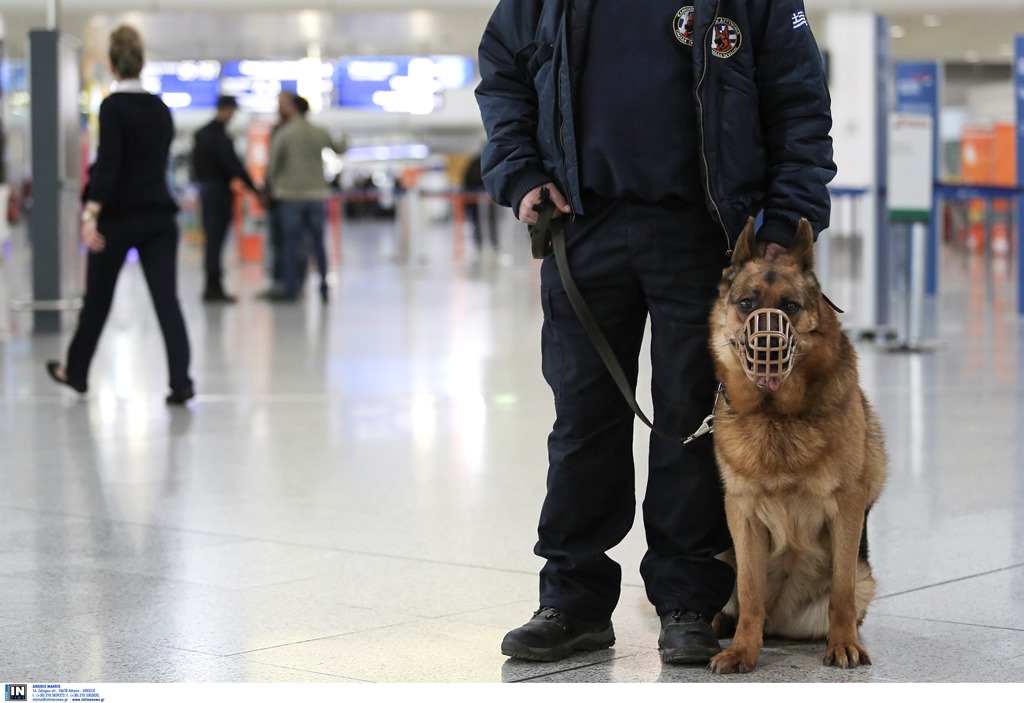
[549, 234]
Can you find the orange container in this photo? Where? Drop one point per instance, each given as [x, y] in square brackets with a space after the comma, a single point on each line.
[1004, 155]
[250, 247]
[976, 148]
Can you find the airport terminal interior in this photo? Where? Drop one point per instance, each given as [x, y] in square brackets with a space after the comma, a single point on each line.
[352, 495]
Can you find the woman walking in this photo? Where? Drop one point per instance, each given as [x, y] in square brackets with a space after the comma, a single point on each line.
[128, 205]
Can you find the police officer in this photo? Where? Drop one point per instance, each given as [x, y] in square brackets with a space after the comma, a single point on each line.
[219, 173]
[657, 129]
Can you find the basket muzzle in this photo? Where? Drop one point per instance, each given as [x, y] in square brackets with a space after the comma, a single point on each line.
[767, 348]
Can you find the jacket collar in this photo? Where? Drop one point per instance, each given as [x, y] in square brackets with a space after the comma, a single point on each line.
[129, 85]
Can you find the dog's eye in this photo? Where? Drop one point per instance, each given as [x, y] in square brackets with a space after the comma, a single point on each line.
[745, 305]
[790, 308]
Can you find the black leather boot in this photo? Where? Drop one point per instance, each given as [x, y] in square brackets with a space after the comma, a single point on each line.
[687, 638]
[552, 635]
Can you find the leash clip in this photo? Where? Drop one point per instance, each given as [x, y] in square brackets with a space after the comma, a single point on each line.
[708, 425]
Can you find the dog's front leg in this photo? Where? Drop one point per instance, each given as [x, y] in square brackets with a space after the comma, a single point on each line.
[750, 542]
[844, 648]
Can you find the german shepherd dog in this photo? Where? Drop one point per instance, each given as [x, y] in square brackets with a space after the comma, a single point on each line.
[801, 456]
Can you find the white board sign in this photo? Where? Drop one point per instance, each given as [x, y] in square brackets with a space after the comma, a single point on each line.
[909, 172]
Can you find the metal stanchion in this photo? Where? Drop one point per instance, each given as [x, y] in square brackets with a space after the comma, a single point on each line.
[414, 229]
[911, 268]
[911, 201]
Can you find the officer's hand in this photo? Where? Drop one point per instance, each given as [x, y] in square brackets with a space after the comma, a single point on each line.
[526, 212]
[770, 251]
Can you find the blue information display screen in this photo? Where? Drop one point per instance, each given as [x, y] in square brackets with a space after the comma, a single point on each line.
[410, 84]
[192, 85]
[413, 84]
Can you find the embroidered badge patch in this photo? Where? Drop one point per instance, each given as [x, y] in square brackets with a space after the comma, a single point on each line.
[682, 25]
[725, 38]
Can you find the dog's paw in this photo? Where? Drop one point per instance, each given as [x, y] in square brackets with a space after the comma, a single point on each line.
[734, 661]
[846, 655]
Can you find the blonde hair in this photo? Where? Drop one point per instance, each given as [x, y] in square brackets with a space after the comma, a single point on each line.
[126, 51]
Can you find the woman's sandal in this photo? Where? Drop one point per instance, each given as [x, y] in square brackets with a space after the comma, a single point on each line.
[180, 397]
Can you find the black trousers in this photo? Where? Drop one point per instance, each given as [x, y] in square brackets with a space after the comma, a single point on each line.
[217, 203]
[633, 261]
[155, 237]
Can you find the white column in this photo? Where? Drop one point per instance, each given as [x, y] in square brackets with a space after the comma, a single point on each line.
[851, 40]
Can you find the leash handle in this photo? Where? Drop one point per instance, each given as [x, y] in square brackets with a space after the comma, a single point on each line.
[540, 233]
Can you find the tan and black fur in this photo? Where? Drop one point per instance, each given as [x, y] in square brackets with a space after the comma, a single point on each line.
[801, 467]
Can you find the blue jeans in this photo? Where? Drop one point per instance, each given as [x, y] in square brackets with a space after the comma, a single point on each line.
[301, 221]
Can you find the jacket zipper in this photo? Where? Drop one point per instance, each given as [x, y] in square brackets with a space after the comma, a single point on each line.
[703, 139]
[561, 143]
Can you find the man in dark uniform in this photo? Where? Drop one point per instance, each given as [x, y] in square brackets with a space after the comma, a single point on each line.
[657, 130]
[219, 173]
[472, 180]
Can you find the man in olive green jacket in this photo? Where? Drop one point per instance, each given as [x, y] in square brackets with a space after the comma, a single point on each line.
[296, 175]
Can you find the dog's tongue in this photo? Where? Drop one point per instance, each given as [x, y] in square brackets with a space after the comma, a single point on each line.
[774, 384]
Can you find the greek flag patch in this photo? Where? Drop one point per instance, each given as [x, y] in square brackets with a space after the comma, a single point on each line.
[799, 19]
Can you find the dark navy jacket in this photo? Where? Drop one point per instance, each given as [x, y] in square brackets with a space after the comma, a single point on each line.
[763, 110]
[214, 159]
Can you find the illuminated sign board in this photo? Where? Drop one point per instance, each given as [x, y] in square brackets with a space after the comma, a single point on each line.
[183, 84]
[412, 84]
[257, 84]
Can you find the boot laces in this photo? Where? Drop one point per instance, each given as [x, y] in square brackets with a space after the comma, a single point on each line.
[549, 612]
[689, 615]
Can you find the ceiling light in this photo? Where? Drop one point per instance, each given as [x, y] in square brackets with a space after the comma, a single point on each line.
[972, 57]
[897, 32]
[932, 21]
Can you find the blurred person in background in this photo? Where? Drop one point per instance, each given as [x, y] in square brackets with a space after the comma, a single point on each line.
[472, 181]
[127, 205]
[276, 252]
[221, 176]
[296, 176]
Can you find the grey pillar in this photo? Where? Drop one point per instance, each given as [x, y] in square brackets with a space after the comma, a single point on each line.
[54, 85]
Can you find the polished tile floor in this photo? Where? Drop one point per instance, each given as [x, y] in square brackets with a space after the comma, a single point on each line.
[353, 494]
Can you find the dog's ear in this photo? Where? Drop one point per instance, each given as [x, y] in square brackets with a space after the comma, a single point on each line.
[746, 246]
[803, 249]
